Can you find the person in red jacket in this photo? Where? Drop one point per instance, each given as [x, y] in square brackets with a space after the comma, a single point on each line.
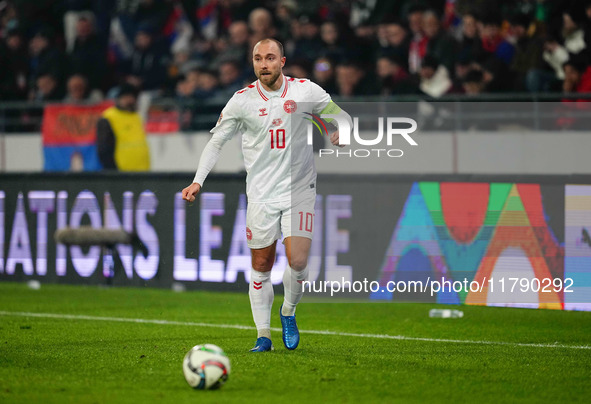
[577, 75]
[577, 80]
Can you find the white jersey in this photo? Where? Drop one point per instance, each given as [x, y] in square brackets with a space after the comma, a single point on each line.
[278, 160]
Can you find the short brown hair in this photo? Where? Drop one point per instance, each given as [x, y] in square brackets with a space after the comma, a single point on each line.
[279, 44]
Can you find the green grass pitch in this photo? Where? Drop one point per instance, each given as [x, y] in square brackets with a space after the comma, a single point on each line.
[92, 360]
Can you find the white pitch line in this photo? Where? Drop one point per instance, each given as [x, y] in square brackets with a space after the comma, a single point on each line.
[317, 332]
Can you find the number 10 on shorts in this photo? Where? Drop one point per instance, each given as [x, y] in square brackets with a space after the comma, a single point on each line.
[306, 221]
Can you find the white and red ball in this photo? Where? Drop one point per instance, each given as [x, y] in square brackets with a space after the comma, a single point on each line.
[206, 367]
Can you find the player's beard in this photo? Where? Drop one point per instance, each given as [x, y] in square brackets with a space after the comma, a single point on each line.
[269, 80]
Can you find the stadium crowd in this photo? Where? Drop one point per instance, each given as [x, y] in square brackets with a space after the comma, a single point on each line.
[83, 50]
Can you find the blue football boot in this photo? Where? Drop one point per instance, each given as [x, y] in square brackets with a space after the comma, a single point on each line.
[291, 335]
[263, 344]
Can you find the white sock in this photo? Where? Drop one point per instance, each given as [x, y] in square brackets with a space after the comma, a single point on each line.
[293, 289]
[261, 295]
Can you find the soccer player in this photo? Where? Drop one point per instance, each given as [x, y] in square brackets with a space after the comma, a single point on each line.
[281, 179]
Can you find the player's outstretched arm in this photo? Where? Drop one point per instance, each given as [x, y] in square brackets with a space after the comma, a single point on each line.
[222, 132]
[209, 156]
[191, 191]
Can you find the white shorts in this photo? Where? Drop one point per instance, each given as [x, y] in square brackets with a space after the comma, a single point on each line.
[267, 221]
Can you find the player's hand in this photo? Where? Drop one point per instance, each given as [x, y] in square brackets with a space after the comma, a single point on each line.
[190, 192]
[334, 139]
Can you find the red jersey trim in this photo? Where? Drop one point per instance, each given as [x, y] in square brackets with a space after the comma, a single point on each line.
[245, 89]
[261, 93]
[282, 94]
[286, 86]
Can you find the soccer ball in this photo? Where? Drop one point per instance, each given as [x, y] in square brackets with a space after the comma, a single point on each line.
[206, 367]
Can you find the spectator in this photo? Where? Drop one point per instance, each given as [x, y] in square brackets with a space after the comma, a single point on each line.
[294, 37]
[236, 10]
[577, 75]
[331, 41]
[73, 10]
[187, 86]
[324, 74]
[148, 61]
[527, 61]
[208, 85]
[88, 55]
[9, 18]
[309, 46]
[79, 92]
[395, 42]
[462, 67]
[440, 45]
[47, 89]
[13, 74]
[393, 79]
[556, 56]
[434, 78]
[133, 14]
[470, 46]
[45, 58]
[238, 33]
[492, 41]
[365, 33]
[284, 13]
[348, 77]
[121, 139]
[572, 32]
[473, 83]
[180, 65]
[297, 70]
[230, 78]
[238, 47]
[260, 22]
[352, 81]
[418, 41]
[33, 15]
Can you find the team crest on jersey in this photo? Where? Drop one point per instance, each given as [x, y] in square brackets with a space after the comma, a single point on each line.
[263, 112]
[248, 234]
[290, 106]
[277, 122]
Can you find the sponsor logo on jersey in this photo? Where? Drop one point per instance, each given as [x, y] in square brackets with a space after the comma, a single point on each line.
[277, 122]
[290, 106]
[220, 118]
[248, 234]
[263, 112]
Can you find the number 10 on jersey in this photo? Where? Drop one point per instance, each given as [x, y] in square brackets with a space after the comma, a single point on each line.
[277, 138]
